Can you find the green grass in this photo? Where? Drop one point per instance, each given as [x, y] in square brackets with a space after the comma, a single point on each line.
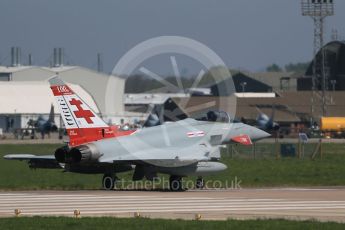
[143, 223]
[262, 172]
[16, 175]
[267, 171]
[329, 171]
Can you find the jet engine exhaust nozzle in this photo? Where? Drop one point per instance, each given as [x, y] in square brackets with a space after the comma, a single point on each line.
[60, 154]
[83, 153]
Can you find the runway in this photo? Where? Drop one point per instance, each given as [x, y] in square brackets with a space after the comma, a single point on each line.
[326, 204]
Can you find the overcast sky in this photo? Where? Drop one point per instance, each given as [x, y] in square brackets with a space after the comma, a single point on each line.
[247, 34]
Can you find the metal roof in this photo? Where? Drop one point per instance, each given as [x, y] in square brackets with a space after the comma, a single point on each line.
[148, 98]
[255, 95]
[13, 69]
[272, 79]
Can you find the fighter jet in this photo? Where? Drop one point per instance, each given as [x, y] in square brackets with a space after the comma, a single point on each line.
[169, 111]
[267, 123]
[179, 149]
[44, 126]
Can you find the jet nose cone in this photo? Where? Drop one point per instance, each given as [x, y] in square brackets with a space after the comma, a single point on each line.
[257, 134]
[260, 134]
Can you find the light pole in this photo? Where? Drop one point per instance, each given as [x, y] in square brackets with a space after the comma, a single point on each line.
[333, 82]
[243, 84]
[318, 10]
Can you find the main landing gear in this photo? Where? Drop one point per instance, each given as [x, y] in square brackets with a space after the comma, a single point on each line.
[199, 183]
[175, 183]
[108, 181]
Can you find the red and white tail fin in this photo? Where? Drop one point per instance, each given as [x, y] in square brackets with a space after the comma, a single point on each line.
[75, 112]
[82, 123]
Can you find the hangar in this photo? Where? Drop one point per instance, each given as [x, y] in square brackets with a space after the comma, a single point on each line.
[245, 81]
[334, 68]
[258, 82]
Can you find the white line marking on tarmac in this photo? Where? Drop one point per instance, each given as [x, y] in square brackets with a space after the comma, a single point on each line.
[168, 209]
[101, 203]
[159, 206]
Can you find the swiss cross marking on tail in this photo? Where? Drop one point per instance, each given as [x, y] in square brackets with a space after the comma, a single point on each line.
[81, 113]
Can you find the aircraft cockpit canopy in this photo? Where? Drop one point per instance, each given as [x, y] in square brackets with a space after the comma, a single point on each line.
[215, 116]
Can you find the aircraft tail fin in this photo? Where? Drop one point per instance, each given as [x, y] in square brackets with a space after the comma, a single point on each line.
[81, 122]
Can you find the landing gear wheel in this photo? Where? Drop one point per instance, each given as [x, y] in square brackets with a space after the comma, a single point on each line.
[108, 181]
[199, 183]
[175, 183]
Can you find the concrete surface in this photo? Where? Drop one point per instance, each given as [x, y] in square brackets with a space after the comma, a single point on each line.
[324, 204]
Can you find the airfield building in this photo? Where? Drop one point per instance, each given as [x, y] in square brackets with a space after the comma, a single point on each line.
[334, 58]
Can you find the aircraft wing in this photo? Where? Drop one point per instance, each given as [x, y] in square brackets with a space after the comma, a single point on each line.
[34, 161]
[167, 156]
[28, 157]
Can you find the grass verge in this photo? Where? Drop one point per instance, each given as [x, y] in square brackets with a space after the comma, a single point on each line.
[103, 223]
[263, 172]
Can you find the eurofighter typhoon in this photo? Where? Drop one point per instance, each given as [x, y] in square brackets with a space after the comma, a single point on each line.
[183, 148]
